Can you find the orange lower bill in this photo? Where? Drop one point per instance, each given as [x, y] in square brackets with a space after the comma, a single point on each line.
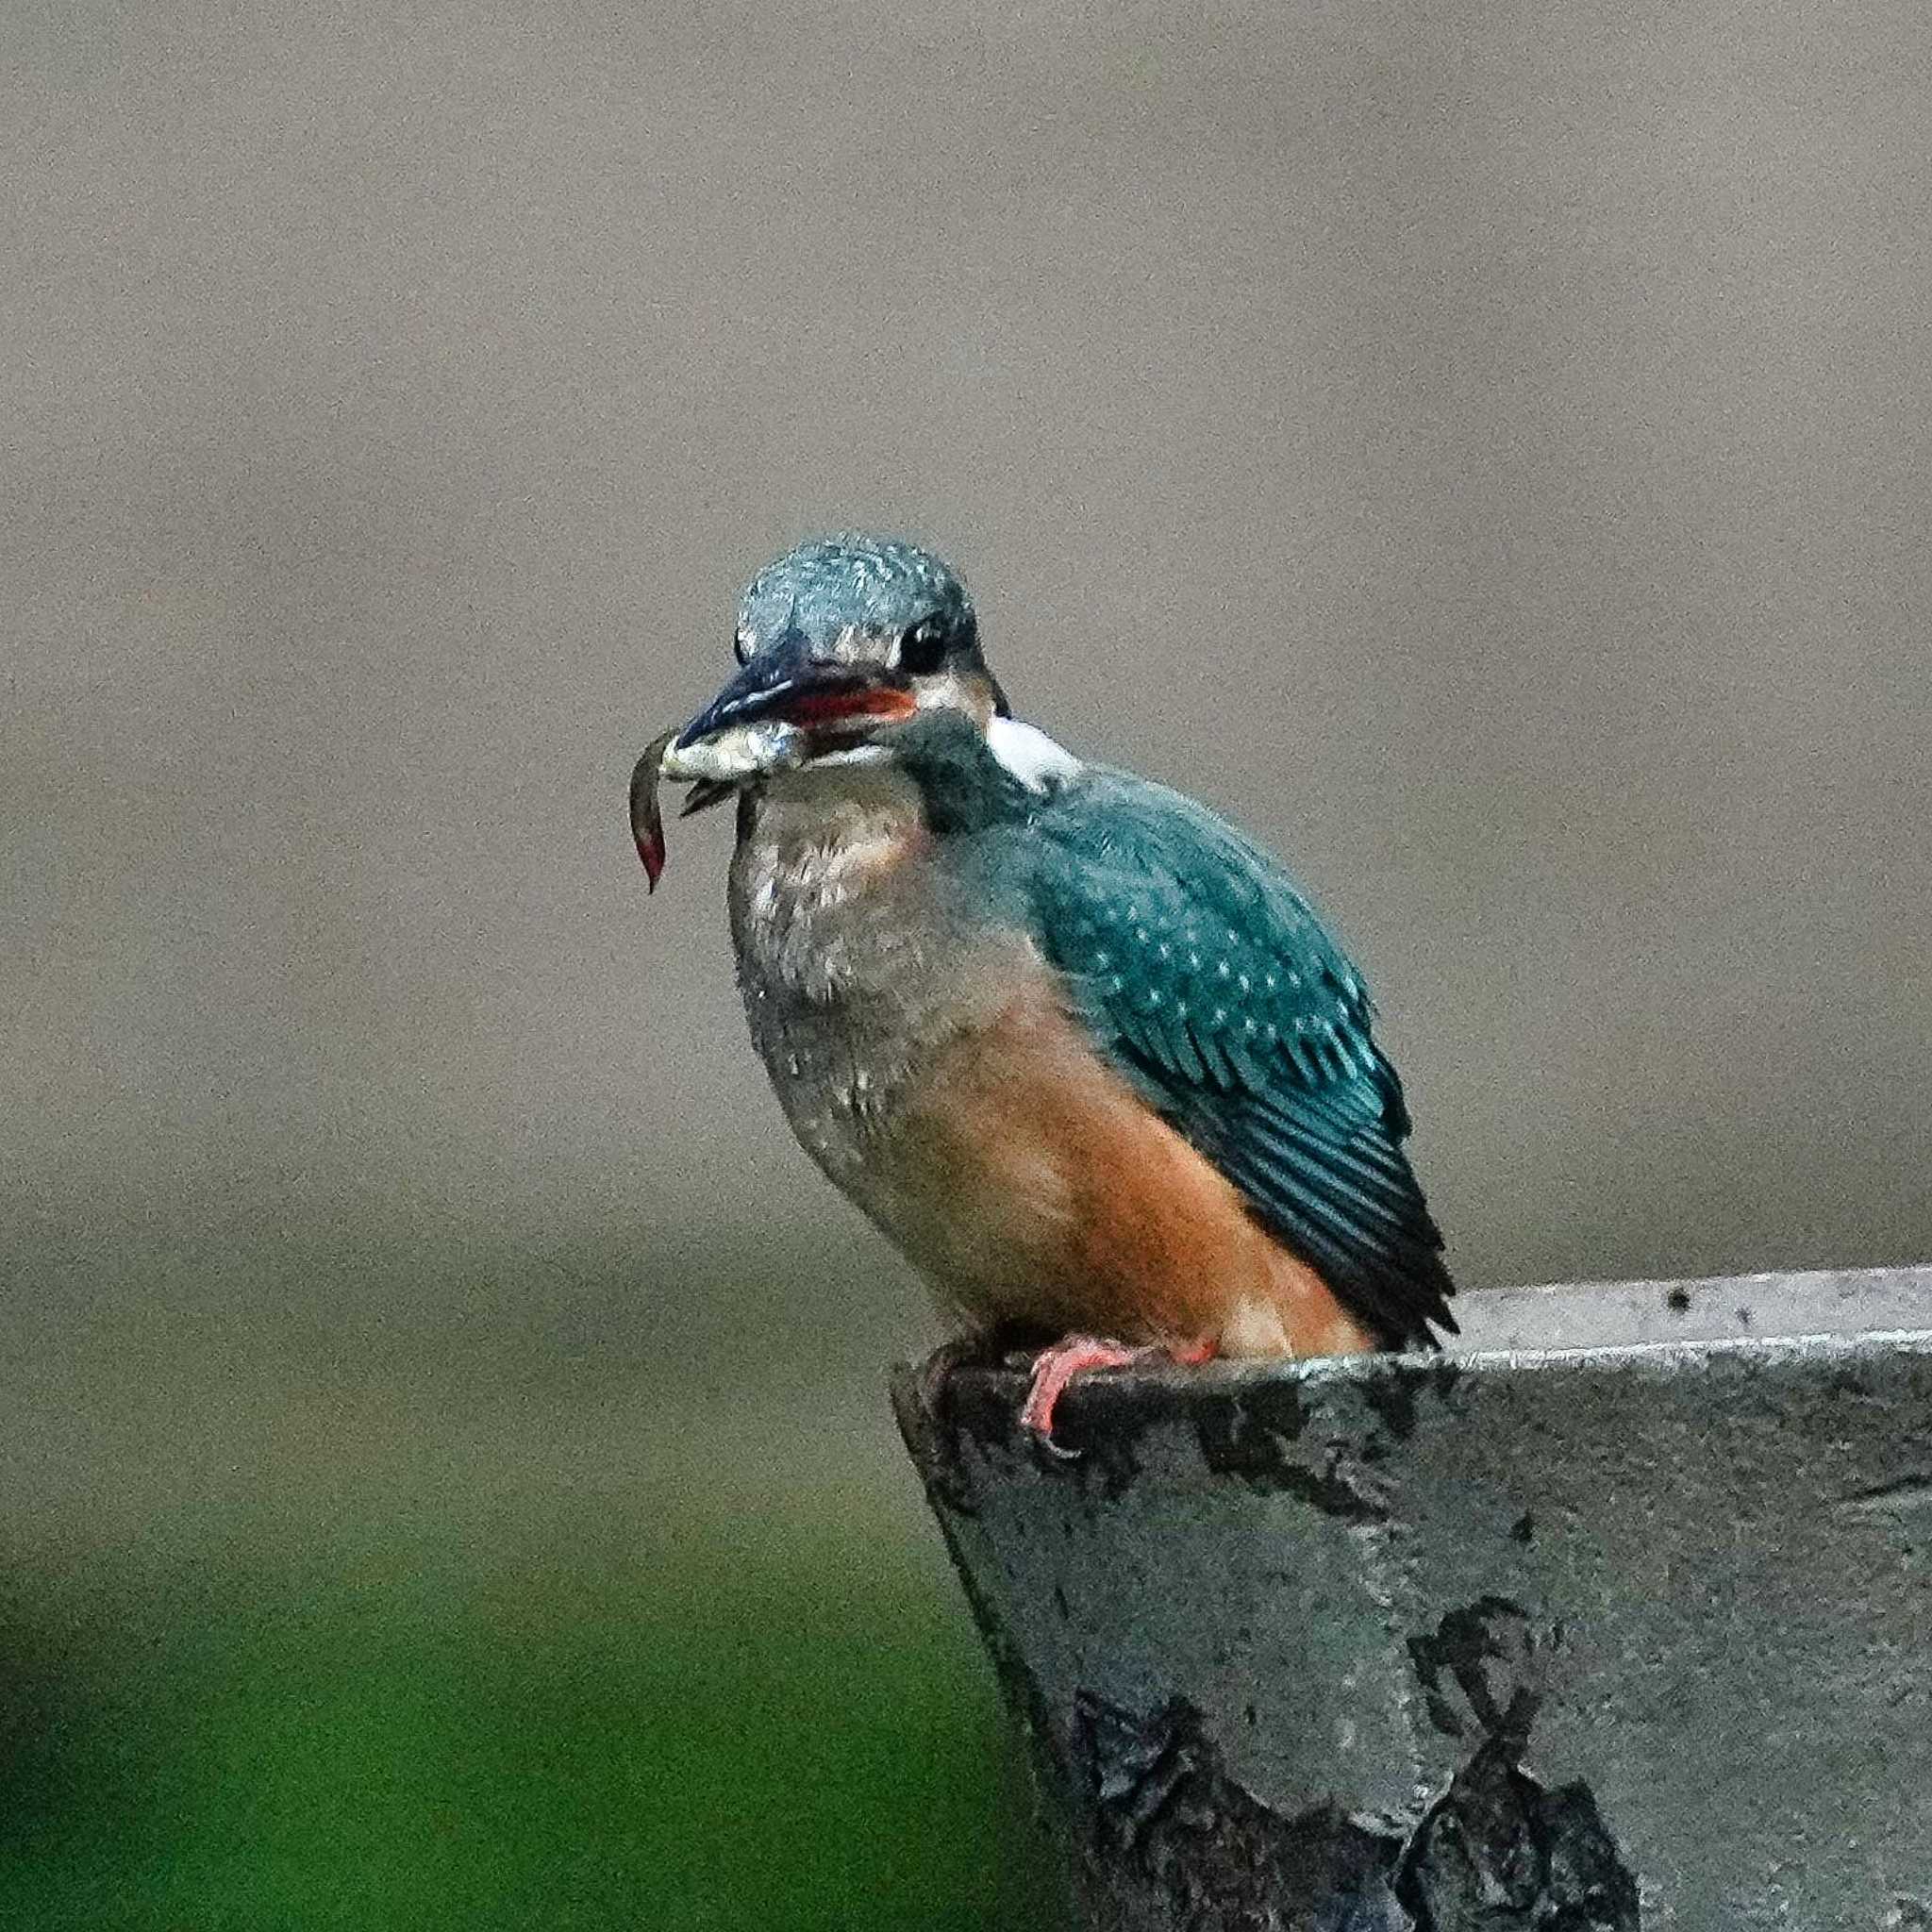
[816, 710]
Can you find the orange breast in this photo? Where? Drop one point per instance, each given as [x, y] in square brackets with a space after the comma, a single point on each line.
[1035, 1186]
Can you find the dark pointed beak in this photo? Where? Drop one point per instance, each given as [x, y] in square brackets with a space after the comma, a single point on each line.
[762, 690]
[778, 710]
[784, 688]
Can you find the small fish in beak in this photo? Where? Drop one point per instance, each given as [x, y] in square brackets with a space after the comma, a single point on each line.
[646, 820]
[787, 705]
[648, 817]
[728, 754]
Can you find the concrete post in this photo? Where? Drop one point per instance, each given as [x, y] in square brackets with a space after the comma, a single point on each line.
[1618, 1615]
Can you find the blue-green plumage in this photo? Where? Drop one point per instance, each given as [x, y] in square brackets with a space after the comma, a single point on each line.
[1083, 1050]
[1209, 981]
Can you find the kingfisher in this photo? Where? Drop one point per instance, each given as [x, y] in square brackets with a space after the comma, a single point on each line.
[1084, 1053]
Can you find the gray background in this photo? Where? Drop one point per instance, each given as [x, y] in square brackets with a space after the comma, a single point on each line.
[1483, 448]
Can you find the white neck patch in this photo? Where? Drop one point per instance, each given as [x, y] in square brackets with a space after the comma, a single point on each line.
[1036, 760]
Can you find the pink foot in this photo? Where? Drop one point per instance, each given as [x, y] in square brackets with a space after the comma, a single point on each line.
[1081, 1355]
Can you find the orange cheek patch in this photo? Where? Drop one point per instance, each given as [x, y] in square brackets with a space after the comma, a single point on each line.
[847, 707]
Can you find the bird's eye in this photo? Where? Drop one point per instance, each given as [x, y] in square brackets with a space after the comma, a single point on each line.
[741, 646]
[922, 648]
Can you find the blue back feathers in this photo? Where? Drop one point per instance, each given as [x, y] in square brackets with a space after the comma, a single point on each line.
[1206, 978]
[1208, 982]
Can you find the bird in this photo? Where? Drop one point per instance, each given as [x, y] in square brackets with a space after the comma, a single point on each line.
[1083, 1051]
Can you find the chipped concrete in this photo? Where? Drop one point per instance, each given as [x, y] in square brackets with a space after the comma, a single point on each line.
[1583, 1626]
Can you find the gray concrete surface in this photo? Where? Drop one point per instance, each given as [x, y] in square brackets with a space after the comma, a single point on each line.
[1582, 1627]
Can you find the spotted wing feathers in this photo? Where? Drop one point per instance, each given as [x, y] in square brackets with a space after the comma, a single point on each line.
[1210, 983]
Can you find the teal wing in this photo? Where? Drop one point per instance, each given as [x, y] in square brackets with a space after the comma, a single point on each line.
[1210, 983]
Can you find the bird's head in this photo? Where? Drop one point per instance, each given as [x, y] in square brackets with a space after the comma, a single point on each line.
[841, 643]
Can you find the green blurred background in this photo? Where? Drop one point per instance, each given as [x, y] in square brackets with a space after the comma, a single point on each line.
[445, 1474]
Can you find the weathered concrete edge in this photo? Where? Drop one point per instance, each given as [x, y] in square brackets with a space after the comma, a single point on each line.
[1138, 1394]
[1362, 1404]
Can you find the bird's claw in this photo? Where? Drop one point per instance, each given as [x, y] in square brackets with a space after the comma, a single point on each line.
[1055, 1367]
